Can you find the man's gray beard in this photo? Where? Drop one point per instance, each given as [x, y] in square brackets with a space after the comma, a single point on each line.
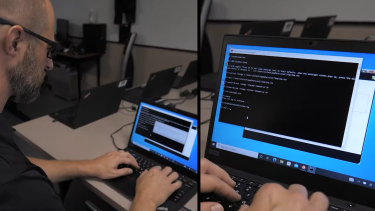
[25, 80]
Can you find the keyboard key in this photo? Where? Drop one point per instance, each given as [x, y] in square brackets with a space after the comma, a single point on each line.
[241, 192]
[229, 206]
[251, 183]
[248, 196]
[209, 197]
[239, 186]
[176, 199]
[334, 208]
[250, 189]
[186, 187]
[241, 180]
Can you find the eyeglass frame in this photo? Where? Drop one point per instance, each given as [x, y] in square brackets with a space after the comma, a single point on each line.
[54, 45]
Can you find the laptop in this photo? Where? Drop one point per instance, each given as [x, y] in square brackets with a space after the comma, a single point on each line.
[297, 111]
[158, 85]
[268, 28]
[94, 104]
[318, 27]
[163, 136]
[208, 82]
[190, 76]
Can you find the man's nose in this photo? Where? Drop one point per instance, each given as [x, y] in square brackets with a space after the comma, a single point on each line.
[49, 64]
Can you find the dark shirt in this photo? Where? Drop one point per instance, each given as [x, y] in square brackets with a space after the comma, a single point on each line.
[23, 185]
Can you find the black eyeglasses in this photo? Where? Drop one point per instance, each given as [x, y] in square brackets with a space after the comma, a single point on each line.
[52, 52]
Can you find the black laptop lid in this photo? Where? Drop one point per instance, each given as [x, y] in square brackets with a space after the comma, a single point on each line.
[191, 74]
[100, 102]
[268, 28]
[160, 83]
[318, 27]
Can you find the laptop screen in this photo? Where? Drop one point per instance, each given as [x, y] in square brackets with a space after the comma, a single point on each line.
[167, 134]
[304, 109]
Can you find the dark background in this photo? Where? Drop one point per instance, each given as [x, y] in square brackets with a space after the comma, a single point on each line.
[307, 107]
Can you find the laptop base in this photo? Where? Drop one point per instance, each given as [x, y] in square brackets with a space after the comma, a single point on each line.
[61, 116]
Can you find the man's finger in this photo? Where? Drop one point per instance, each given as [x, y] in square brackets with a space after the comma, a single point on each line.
[267, 197]
[213, 169]
[243, 207]
[176, 186]
[124, 171]
[167, 171]
[172, 177]
[129, 161]
[211, 206]
[299, 189]
[319, 200]
[143, 173]
[155, 169]
[129, 156]
[211, 183]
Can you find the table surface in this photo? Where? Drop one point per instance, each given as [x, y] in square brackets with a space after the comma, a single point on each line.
[91, 141]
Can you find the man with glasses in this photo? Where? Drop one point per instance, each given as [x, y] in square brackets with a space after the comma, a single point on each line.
[27, 48]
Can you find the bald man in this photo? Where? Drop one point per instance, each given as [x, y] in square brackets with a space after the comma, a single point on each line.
[27, 48]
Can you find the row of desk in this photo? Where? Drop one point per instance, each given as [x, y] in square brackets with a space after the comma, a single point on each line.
[91, 141]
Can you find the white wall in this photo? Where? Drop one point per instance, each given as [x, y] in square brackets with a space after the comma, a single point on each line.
[161, 23]
[347, 10]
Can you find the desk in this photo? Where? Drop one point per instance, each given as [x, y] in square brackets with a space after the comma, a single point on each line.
[91, 141]
[77, 60]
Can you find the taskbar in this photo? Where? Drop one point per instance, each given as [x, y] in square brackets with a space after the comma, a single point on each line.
[173, 161]
[318, 171]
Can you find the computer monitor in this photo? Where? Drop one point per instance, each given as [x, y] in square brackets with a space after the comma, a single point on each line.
[318, 27]
[293, 104]
[62, 32]
[170, 135]
[268, 28]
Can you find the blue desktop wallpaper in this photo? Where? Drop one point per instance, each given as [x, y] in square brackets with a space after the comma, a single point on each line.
[192, 162]
[232, 135]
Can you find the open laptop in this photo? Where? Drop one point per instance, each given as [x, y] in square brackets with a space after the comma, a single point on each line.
[94, 104]
[158, 85]
[190, 76]
[296, 111]
[163, 136]
[268, 28]
[318, 27]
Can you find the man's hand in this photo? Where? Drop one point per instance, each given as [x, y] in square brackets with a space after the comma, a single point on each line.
[275, 197]
[214, 179]
[154, 187]
[105, 167]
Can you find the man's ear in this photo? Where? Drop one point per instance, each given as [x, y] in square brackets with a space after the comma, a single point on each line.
[15, 43]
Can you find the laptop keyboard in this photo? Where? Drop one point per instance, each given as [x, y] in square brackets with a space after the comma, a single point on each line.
[247, 189]
[145, 163]
[69, 117]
